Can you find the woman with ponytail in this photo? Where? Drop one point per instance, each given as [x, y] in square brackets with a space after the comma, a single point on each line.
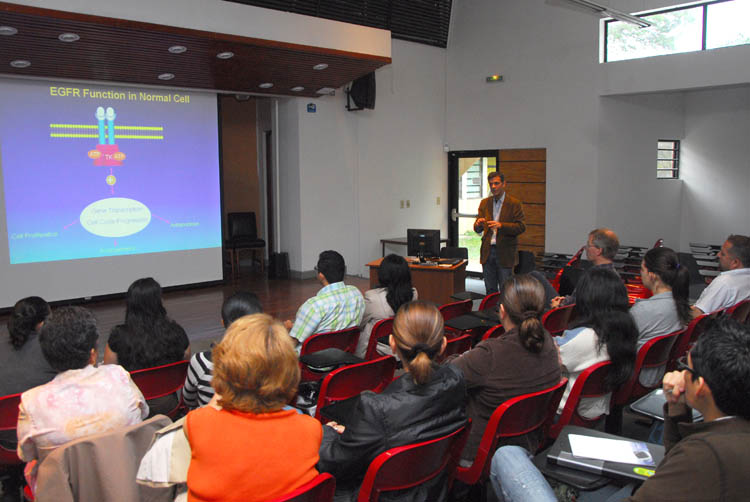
[425, 403]
[521, 360]
[668, 310]
[22, 365]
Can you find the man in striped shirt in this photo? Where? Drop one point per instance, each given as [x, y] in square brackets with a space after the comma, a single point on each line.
[335, 307]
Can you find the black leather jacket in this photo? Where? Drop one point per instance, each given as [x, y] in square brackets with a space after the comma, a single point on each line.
[403, 413]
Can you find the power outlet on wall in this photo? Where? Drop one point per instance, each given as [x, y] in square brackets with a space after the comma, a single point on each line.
[438, 201]
[408, 204]
[402, 204]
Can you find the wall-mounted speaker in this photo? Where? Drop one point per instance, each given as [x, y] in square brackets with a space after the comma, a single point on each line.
[362, 92]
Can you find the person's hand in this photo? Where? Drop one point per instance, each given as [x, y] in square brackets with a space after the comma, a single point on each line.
[337, 427]
[555, 302]
[674, 387]
[288, 324]
[479, 223]
[494, 225]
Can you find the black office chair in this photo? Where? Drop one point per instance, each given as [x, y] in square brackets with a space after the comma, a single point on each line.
[454, 252]
[243, 234]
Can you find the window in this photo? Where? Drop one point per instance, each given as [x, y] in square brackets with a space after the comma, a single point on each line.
[668, 159]
[709, 25]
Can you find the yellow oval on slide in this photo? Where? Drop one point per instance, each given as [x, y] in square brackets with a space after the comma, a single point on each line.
[115, 217]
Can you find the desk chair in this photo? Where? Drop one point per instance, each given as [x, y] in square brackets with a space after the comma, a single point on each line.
[590, 383]
[382, 328]
[454, 252]
[162, 381]
[556, 321]
[243, 235]
[320, 489]
[345, 339]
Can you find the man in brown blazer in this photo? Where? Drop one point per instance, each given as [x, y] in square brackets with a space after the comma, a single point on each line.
[500, 221]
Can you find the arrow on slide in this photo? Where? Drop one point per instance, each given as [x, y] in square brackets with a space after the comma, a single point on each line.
[70, 224]
[162, 219]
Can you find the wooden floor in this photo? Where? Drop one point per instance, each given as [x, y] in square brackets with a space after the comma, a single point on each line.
[198, 310]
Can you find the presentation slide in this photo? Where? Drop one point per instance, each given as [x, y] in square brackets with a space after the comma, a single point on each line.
[93, 172]
[101, 171]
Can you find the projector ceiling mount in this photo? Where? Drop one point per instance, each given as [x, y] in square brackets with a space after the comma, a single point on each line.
[610, 12]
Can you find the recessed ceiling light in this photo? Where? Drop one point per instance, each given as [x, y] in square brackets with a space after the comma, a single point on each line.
[20, 63]
[8, 30]
[265, 85]
[320, 66]
[177, 49]
[298, 88]
[330, 91]
[225, 55]
[68, 37]
[166, 76]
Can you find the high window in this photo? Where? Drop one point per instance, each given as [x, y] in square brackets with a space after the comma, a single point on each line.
[668, 159]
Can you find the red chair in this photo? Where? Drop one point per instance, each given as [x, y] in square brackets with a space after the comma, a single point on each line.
[382, 328]
[556, 321]
[351, 380]
[320, 489]
[515, 417]
[637, 291]
[489, 301]
[455, 309]
[740, 312]
[345, 339]
[412, 465]
[575, 259]
[655, 353]
[694, 330]
[161, 381]
[590, 383]
[457, 345]
[8, 421]
[493, 332]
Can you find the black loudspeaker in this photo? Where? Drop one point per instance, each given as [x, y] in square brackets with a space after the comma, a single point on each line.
[278, 266]
[362, 92]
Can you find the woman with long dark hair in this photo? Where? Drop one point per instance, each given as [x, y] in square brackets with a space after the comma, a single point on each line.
[603, 331]
[668, 310]
[148, 338]
[521, 360]
[394, 289]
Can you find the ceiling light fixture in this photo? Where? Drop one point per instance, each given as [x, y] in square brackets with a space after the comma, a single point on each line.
[166, 76]
[225, 55]
[8, 30]
[265, 85]
[177, 49]
[613, 13]
[328, 91]
[20, 63]
[68, 37]
[320, 66]
[297, 88]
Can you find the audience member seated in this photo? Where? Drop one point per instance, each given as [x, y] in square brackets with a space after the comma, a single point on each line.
[82, 399]
[246, 445]
[668, 310]
[335, 307]
[707, 460]
[148, 338]
[22, 365]
[601, 248]
[425, 403]
[197, 390]
[394, 289]
[521, 360]
[732, 285]
[603, 331]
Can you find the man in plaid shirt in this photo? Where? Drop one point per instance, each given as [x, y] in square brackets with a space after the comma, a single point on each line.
[335, 307]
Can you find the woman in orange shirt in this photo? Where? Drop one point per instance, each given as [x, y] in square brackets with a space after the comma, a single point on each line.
[248, 446]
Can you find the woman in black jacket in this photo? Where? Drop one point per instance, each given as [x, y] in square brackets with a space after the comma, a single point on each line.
[425, 403]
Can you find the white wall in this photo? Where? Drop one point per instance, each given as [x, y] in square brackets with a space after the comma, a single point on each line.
[290, 235]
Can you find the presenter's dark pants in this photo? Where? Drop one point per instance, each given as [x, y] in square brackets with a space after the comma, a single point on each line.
[494, 275]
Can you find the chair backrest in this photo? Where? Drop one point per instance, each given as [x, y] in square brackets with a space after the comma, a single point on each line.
[590, 383]
[693, 331]
[687, 260]
[493, 332]
[454, 252]
[575, 259]
[655, 353]
[490, 300]
[383, 327]
[320, 489]
[556, 321]
[455, 309]
[408, 466]
[740, 311]
[457, 345]
[659, 243]
[345, 339]
[162, 380]
[8, 421]
[351, 380]
[515, 417]
[242, 225]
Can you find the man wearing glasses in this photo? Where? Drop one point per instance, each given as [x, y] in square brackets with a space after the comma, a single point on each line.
[708, 460]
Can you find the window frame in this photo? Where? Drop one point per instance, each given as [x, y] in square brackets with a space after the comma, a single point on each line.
[675, 160]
